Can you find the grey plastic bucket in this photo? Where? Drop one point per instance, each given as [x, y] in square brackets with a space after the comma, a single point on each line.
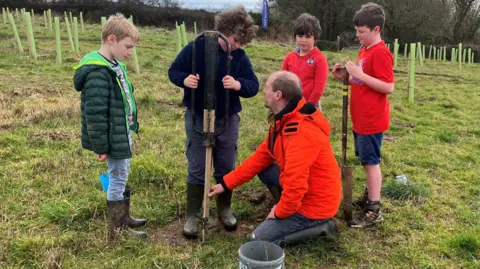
[261, 255]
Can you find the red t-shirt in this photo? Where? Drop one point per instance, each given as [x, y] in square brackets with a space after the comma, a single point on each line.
[369, 109]
[312, 69]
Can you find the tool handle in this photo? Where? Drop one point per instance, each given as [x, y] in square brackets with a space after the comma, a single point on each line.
[227, 91]
[206, 191]
[345, 116]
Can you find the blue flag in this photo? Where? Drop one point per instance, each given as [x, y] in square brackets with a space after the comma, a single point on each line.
[265, 14]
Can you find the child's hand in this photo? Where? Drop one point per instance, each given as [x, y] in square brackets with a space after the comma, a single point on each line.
[191, 81]
[230, 83]
[354, 70]
[101, 157]
[337, 74]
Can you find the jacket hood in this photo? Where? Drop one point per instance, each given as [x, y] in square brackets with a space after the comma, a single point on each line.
[298, 107]
[90, 62]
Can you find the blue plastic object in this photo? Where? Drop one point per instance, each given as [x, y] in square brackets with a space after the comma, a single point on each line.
[105, 181]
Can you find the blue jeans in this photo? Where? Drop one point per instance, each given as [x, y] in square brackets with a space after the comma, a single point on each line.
[275, 230]
[118, 170]
[224, 153]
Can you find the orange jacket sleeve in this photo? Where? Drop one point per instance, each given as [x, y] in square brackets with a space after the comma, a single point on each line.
[321, 76]
[254, 164]
[301, 151]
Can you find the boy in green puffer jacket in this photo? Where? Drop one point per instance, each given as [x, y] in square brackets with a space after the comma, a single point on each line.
[109, 116]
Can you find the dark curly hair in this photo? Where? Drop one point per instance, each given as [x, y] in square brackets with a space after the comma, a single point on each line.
[307, 24]
[236, 21]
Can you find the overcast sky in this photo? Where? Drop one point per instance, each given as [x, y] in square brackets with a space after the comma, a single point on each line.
[251, 5]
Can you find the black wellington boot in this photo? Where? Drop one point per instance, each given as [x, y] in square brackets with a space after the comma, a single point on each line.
[194, 203]
[224, 211]
[118, 220]
[131, 221]
[276, 192]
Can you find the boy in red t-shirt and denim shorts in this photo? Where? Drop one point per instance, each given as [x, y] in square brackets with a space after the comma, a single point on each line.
[371, 80]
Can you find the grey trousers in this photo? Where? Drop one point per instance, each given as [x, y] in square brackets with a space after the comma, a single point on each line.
[224, 152]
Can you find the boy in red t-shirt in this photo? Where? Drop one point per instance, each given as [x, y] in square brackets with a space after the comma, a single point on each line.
[307, 61]
[310, 65]
[372, 80]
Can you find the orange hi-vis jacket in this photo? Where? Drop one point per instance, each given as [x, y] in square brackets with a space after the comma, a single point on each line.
[309, 173]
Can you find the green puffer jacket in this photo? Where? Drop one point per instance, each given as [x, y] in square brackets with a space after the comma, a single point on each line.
[104, 107]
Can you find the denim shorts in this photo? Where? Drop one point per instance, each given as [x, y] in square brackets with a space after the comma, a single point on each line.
[367, 147]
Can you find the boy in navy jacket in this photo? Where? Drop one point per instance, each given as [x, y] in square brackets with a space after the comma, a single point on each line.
[239, 29]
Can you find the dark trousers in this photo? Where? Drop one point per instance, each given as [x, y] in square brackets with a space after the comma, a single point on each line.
[224, 152]
[270, 176]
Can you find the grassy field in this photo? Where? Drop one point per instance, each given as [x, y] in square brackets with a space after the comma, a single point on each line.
[53, 212]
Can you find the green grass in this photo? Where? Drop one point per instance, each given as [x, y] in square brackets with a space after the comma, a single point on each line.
[52, 210]
[400, 191]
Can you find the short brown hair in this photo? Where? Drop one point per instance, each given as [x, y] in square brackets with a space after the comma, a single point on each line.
[119, 26]
[307, 24]
[370, 15]
[288, 83]
[236, 21]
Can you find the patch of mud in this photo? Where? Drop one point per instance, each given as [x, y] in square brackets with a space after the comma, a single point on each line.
[6, 127]
[170, 103]
[51, 136]
[425, 74]
[398, 123]
[171, 234]
[389, 138]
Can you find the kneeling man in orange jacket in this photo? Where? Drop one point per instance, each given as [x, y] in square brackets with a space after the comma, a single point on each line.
[309, 174]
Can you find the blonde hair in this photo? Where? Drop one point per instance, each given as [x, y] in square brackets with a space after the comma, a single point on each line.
[119, 26]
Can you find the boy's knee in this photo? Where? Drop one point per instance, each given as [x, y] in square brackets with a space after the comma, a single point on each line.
[196, 173]
[120, 172]
[195, 180]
